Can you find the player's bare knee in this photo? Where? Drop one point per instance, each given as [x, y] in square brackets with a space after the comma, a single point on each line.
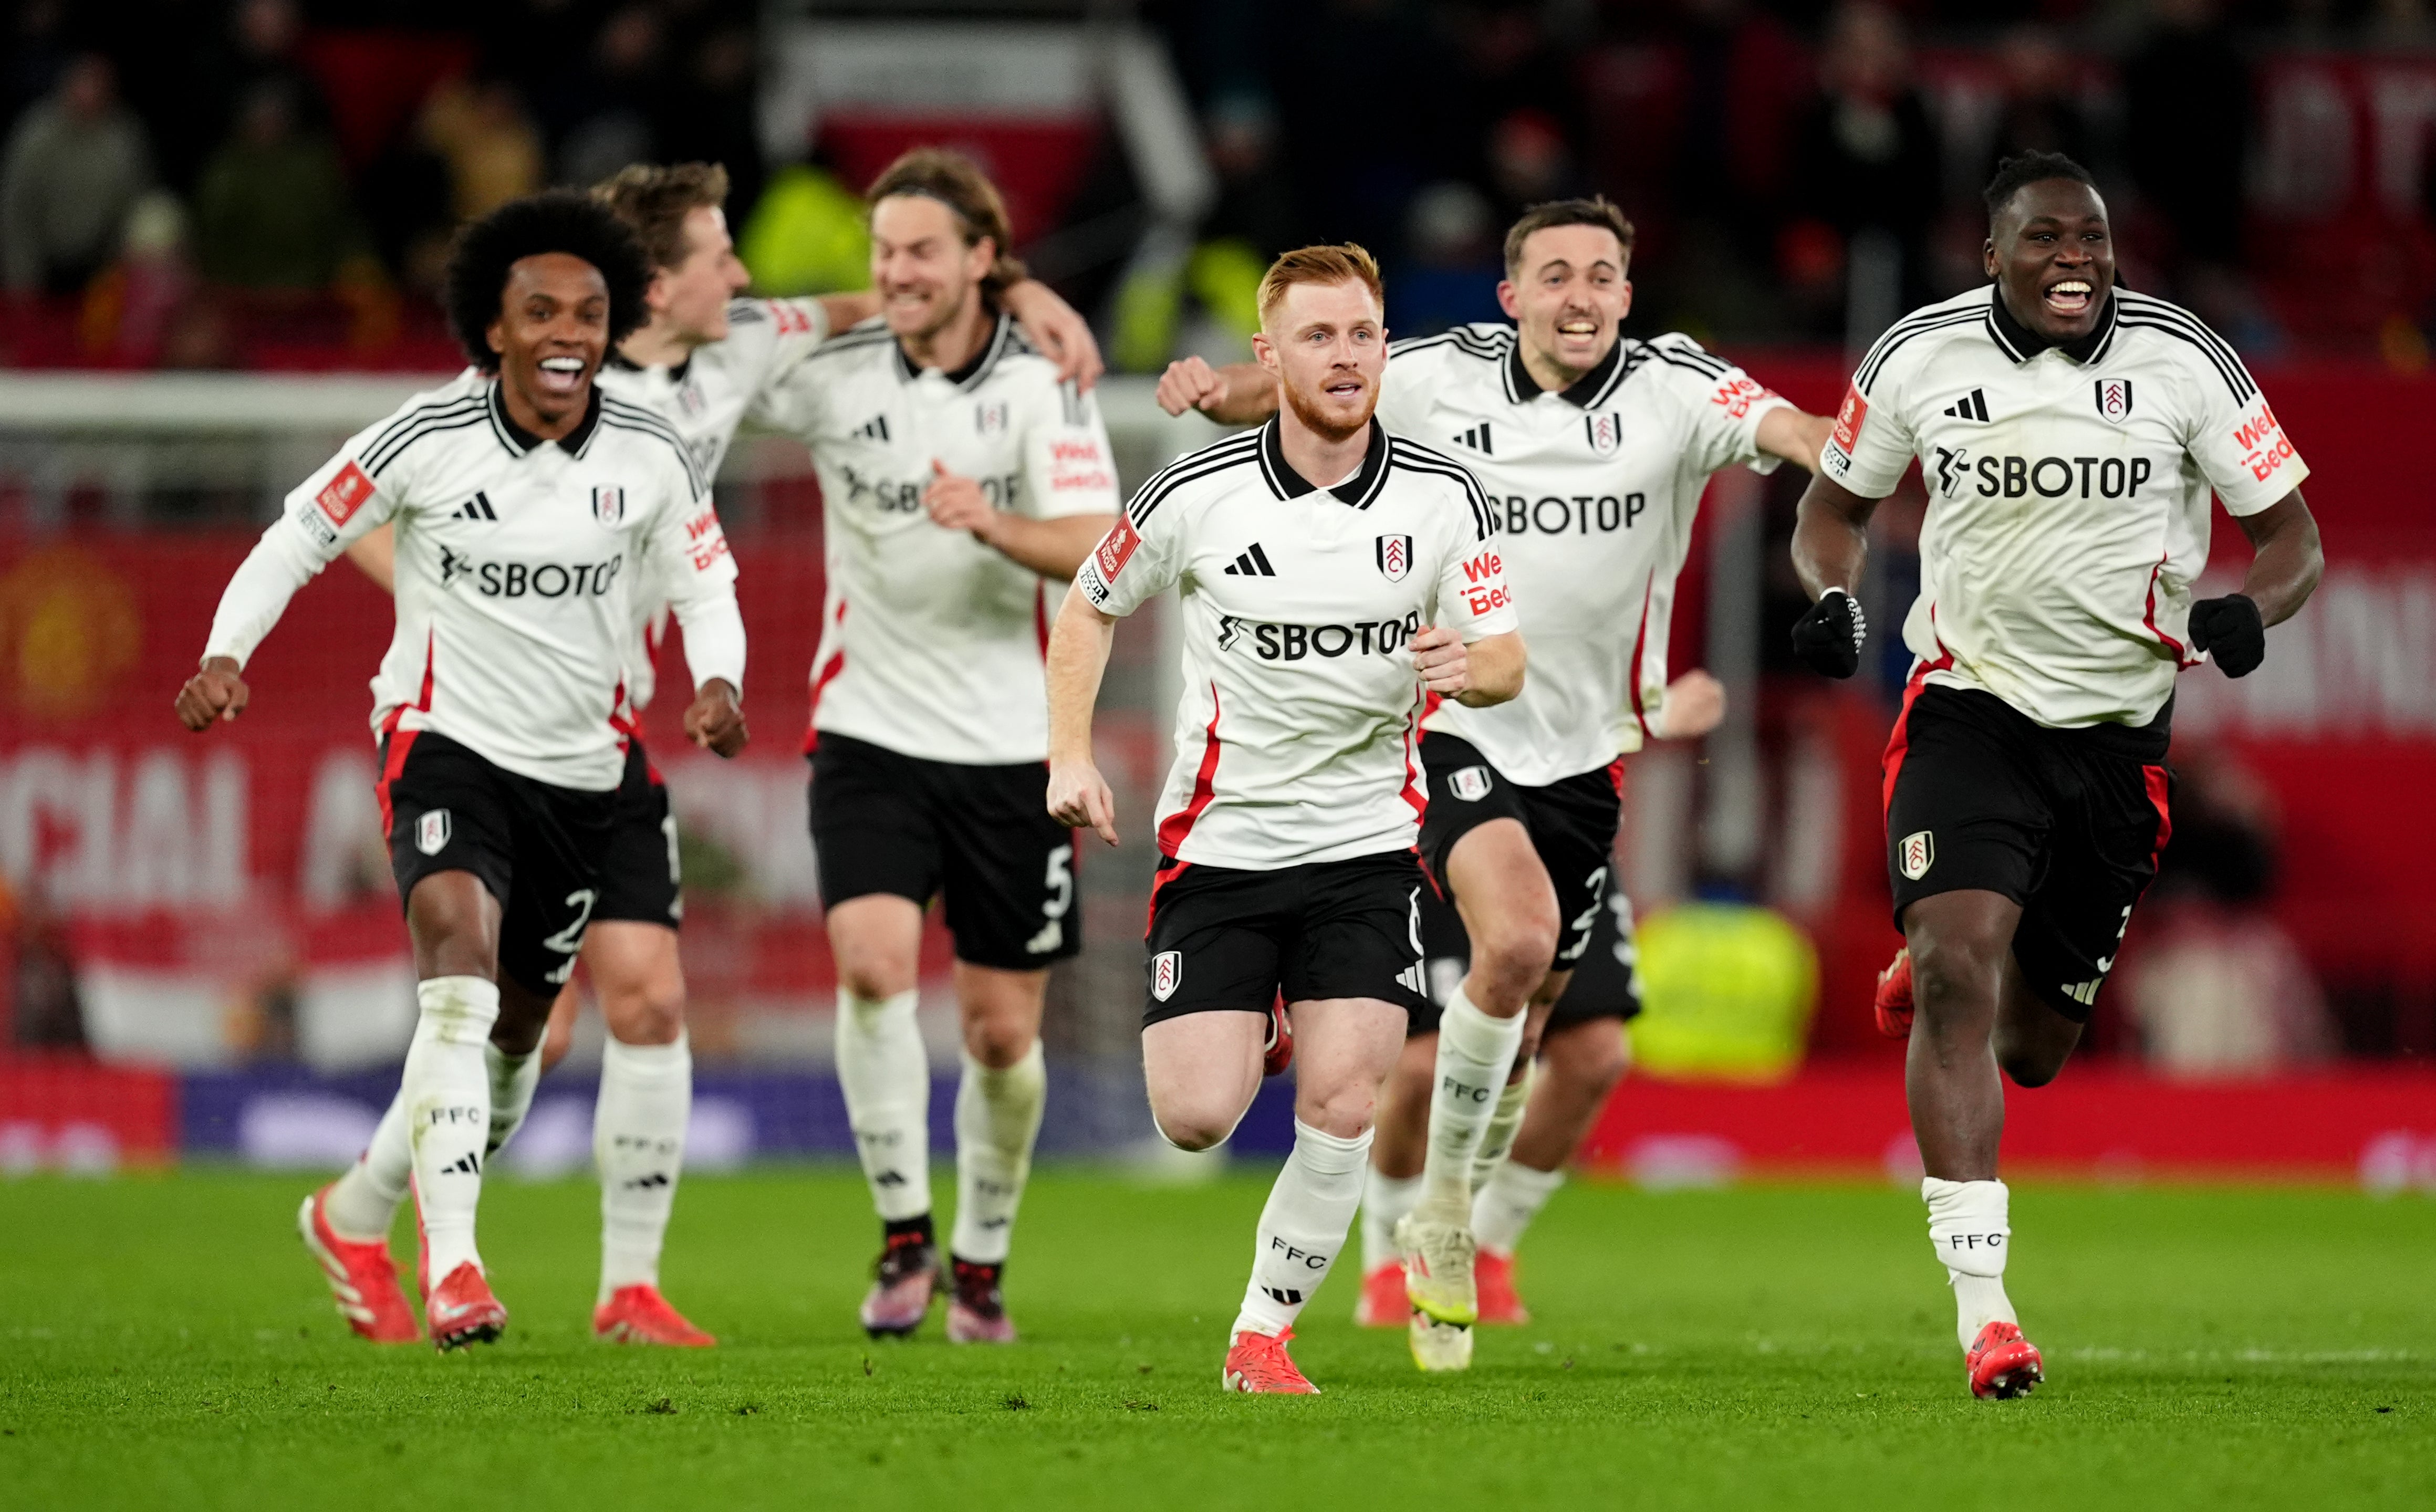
[998, 1044]
[1591, 1062]
[1346, 1112]
[1195, 1128]
[1511, 955]
[645, 1017]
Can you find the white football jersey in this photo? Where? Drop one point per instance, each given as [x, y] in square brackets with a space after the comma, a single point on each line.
[1297, 738]
[931, 643]
[2067, 493]
[517, 564]
[1593, 492]
[705, 397]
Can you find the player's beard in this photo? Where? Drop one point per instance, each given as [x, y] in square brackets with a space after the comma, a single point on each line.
[1321, 424]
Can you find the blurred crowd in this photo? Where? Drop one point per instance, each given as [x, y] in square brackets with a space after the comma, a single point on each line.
[183, 176]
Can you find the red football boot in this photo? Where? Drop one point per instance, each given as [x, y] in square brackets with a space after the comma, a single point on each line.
[2003, 1364]
[1258, 1362]
[1493, 1275]
[1382, 1303]
[1278, 1053]
[640, 1314]
[364, 1279]
[1894, 996]
[462, 1311]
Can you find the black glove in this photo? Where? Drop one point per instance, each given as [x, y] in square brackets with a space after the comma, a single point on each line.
[1828, 638]
[2230, 627]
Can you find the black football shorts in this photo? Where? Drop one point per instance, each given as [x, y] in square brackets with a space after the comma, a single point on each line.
[978, 838]
[639, 877]
[538, 849]
[1572, 824]
[1222, 938]
[2066, 823]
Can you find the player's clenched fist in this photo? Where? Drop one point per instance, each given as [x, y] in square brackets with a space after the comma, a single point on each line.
[1443, 659]
[957, 503]
[1079, 798]
[214, 693]
[1189, 383]
[715, 719]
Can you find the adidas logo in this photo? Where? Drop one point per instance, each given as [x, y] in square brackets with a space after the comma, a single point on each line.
[468, 1164]
[1252, 564]
[1477, 438]
[888, 1179]
[477, 508]
[876, 428]
[1411, 976]
[1973, 405]
[1284, 1294]
[647, 1183]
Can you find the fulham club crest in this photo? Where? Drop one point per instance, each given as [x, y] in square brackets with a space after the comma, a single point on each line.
[432, 832]
[1470, 784]
[990, 420]
[1166, 974]
[1918, 855]
[609, 506]
[1605, 432]
[2114, 399]
[1395, 557]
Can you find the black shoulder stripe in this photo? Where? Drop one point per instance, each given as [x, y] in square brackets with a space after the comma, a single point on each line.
[1902, 332]
[457, 420]
[745, 310]
[857, 339]
[627, 417]
[1701, 363]
[1421, 458]
[422, 414]
[2157, 315]
[1235, 451]
[1462, 339]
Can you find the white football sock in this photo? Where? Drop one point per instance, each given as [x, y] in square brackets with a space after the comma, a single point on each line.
[1303, 1227]
[1502, 1125]
[1507, 1202]
[1385, 1202]
[638, 1130]
[1475, 1053]
[1969, 1226]
[447, 1094]
[885, 1074]
[998, 1118]
[512, 1080]
[363, 1203]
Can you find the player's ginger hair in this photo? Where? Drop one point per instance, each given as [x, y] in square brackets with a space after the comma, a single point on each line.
[653, 201]
[1343, 263]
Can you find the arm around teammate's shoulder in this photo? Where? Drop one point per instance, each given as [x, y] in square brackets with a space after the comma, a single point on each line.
[1240, 393]
[1795, 434]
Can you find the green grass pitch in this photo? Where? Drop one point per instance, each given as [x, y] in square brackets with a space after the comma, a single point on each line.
[165, 1343]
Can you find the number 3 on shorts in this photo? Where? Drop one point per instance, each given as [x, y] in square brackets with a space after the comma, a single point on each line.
[569, 940]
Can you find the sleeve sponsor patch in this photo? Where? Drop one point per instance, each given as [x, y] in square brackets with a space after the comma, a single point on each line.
[2264, 448]
[1740, 391]
[1075, 465]
[1850, 418]
[1484, 583]
[1116, 548]
[343, 494]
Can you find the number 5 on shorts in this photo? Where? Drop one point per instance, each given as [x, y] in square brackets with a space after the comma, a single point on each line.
[1060, 883]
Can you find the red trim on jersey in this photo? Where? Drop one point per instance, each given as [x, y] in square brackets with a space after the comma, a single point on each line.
[1159, 879]
[402, 741]
[2160, 798]
[1040, 618]
[1412, 793]
[1640, 639]
[821, 679]
[1615, 777]
[1172, 830]
[2149, 617]
[1899, 740]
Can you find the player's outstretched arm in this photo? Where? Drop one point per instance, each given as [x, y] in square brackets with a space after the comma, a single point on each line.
[1240, 393]
[1078, 655]
[1795, 435]
[2283, 574]
[1053, 548]
[1831, 543]
[1051, 324]
[1484, 672]
[376, 556]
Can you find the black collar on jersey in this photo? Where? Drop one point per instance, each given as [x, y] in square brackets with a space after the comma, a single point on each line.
[1358, 491]
[973, 372]
[2021, 343]
[1584, 391]
[518, 440]
[676, 375]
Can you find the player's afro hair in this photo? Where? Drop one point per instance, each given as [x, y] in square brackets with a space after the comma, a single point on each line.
[558, 220]
[2025, 168]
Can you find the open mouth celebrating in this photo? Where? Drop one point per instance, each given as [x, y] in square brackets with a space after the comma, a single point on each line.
[562, 375]
[2069, 297]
